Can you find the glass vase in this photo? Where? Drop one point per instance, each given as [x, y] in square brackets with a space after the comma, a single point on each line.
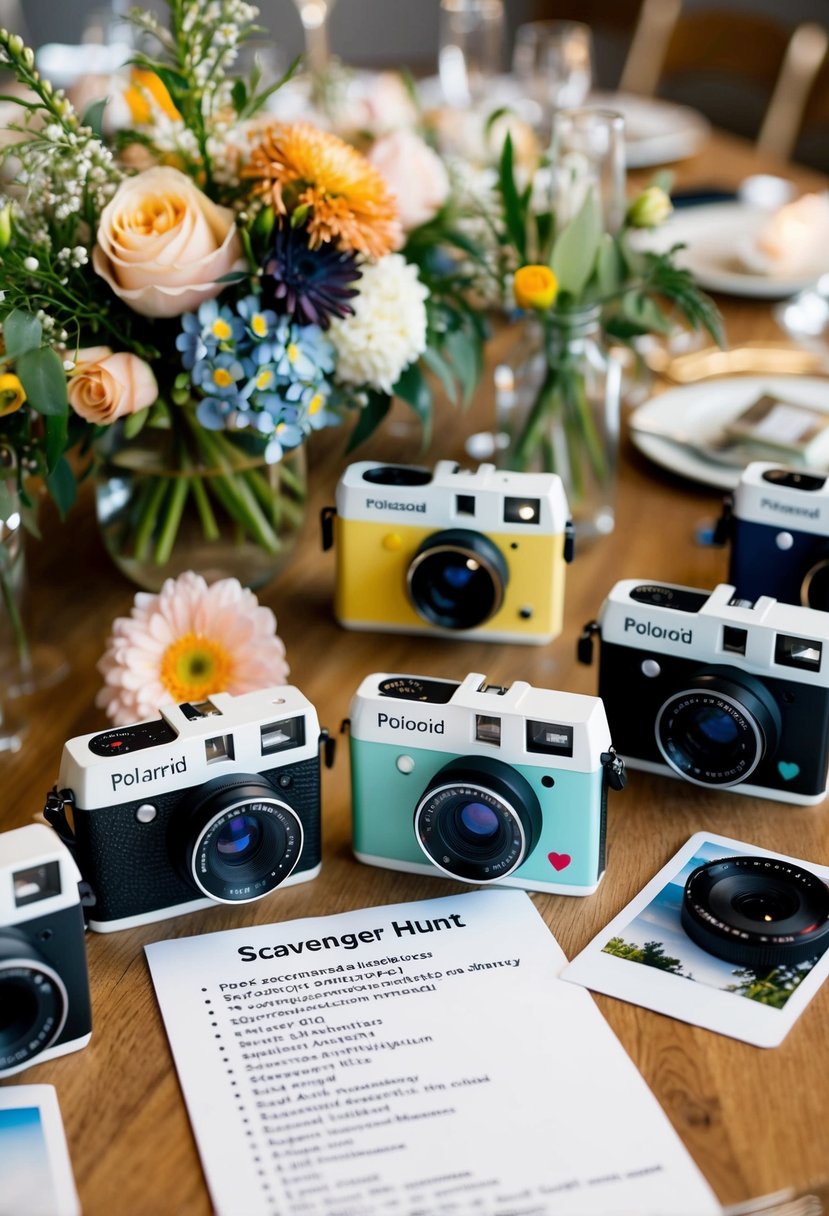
[557, 405]
[192, 499]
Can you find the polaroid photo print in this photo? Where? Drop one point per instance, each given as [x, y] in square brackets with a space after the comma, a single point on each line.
[645, 956]
[35, 1171]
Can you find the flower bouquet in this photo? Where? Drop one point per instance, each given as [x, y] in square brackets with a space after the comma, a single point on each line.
[191, 288]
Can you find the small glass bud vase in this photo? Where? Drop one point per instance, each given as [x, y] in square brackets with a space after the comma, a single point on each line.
[558, 403]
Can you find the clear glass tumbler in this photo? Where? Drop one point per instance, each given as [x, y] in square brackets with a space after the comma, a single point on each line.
[471, 42]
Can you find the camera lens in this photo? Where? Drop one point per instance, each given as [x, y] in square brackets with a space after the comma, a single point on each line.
[478, 819]
[757, 911]
[717, 732]
[239, 839]
[457, 579]
[33, 1002]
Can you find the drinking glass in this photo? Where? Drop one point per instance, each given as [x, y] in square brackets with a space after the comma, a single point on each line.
[314, 15]
[471, 37]
[553, 63]
[587, 151]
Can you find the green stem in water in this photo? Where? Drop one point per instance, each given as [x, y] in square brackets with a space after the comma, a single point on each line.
[172, 520]
[146, 523]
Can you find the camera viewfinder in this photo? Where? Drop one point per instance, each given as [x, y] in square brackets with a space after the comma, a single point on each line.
[734, 640]
[37, 883]
[283, 735]
[220, 748]
[549, 737]
[488, 729]
[465, 504]
[798, 652]
[522, 510]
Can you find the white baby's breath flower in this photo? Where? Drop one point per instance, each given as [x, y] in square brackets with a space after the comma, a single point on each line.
[388, 329]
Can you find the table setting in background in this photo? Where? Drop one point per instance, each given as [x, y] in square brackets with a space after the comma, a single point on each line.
[406, 482]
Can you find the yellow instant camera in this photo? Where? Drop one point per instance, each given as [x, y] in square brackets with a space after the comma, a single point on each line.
[454, 552]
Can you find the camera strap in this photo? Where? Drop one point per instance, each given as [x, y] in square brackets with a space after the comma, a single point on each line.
[54, 812]
[614, 769]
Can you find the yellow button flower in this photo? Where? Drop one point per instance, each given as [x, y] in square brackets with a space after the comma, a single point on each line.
[12, 394]
[535, 287]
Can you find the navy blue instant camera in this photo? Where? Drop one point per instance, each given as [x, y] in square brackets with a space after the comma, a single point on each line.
[777, 522]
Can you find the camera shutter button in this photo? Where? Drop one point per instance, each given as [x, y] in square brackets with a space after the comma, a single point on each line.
[393, 542]
[651, 668]
[146, 813]
[784, 540]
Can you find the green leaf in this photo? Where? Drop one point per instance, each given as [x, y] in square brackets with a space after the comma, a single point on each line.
[513, 215]
[8, 501]
[463, 352]
[576, 246]
[370, 417]
[134, 423]
[61, 484]
[57, 435]
[436, 363]
[176, 85]
[42, 375]
[239, 95]
[22, 332]
[610, 268]
[413, 388]
[644, 312]
[93, 117]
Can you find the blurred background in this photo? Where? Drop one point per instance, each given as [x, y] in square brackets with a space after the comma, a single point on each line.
[733, 93]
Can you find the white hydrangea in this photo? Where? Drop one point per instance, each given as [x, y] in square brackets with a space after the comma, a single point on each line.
[388, 329]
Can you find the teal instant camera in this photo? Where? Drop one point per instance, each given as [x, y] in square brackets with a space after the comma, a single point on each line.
[481, 783]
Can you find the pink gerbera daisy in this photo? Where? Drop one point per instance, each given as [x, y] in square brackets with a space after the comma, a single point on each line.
[186, 643]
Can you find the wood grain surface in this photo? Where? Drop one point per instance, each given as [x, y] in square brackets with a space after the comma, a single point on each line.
[756, 1121]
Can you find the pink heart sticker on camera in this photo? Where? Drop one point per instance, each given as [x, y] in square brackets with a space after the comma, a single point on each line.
[559, 861]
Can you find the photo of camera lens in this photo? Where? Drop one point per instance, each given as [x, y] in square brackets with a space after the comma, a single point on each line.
[757, 911]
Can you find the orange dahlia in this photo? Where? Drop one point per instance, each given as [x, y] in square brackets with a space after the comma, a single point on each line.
[348, 202]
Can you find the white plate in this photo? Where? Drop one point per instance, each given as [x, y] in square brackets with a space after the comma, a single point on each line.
[656, 132]
[711, 231]
[702, 409]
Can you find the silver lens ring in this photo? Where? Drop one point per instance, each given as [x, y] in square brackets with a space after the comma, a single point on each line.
[284, 818]
[730, 706]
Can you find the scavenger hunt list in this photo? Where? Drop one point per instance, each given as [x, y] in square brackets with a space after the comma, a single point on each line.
[422, 1059]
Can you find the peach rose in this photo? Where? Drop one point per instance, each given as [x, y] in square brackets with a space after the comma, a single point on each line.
[162, 244]
[415, 175]
[105, 386]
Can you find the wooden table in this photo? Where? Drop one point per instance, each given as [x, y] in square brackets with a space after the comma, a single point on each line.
[756, 1121]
